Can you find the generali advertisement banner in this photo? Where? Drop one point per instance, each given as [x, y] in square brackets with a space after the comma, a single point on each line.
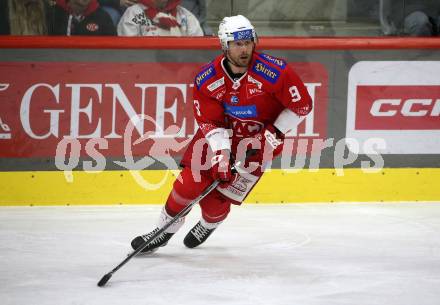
[397, 101]
[104, 106]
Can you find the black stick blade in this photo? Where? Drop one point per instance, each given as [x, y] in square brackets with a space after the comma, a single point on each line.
[104, 279]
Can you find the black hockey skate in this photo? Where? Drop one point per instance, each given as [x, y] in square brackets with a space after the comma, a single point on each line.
[198, 235]
[153, 246]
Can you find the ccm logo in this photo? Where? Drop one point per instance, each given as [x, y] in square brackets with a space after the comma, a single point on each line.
[409, 107]
[397, 107]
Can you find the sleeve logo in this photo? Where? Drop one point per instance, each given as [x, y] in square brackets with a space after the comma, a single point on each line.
[203, 76]
[276, 61]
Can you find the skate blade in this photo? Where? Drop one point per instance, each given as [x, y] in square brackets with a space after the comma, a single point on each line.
[146, 253]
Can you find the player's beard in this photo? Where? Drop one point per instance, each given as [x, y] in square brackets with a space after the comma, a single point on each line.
[242, 60]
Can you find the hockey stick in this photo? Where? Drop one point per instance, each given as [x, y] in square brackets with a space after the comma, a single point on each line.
[107, 277]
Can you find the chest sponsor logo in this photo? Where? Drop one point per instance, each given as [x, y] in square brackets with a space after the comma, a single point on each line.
[219, 94]
[246, 128]
[242, 112]
[217, 84]
[268, 73]
[254, 81]
[252, 90]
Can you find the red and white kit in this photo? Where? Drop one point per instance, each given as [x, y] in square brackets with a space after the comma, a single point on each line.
[231, 115]
[244, 104]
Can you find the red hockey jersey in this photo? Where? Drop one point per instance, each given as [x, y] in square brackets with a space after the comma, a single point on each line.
[246, 105]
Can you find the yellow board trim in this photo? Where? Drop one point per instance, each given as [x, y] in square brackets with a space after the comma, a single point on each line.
[276, 186]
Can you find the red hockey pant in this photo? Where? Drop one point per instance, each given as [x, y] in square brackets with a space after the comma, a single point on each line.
[215, 207]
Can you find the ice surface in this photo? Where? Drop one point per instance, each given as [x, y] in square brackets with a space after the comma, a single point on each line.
[354, 254]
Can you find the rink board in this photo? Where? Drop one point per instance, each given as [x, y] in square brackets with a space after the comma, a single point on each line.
[53, 90]
[276, 186]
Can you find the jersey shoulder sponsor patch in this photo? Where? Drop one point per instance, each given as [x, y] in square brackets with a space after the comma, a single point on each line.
[269, 73]
[281, 63]
[206, 73]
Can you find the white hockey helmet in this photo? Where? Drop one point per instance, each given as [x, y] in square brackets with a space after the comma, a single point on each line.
[235, 28]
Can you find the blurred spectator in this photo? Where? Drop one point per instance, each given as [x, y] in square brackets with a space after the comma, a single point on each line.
[158, 18]
[410, 17]
[119, 5]
[23, 17]
[115, 8]
[80, 17]
[198, 8]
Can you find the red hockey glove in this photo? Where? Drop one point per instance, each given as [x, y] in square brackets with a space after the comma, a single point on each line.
[271, 141]
[220, 166]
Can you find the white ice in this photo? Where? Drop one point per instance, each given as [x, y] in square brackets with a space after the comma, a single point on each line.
[326, 254]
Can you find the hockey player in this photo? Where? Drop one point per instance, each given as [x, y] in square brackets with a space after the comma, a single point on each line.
[243, 100]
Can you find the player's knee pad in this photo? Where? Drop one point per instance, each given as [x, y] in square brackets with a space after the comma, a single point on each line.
[215, 207]
[185, 189]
